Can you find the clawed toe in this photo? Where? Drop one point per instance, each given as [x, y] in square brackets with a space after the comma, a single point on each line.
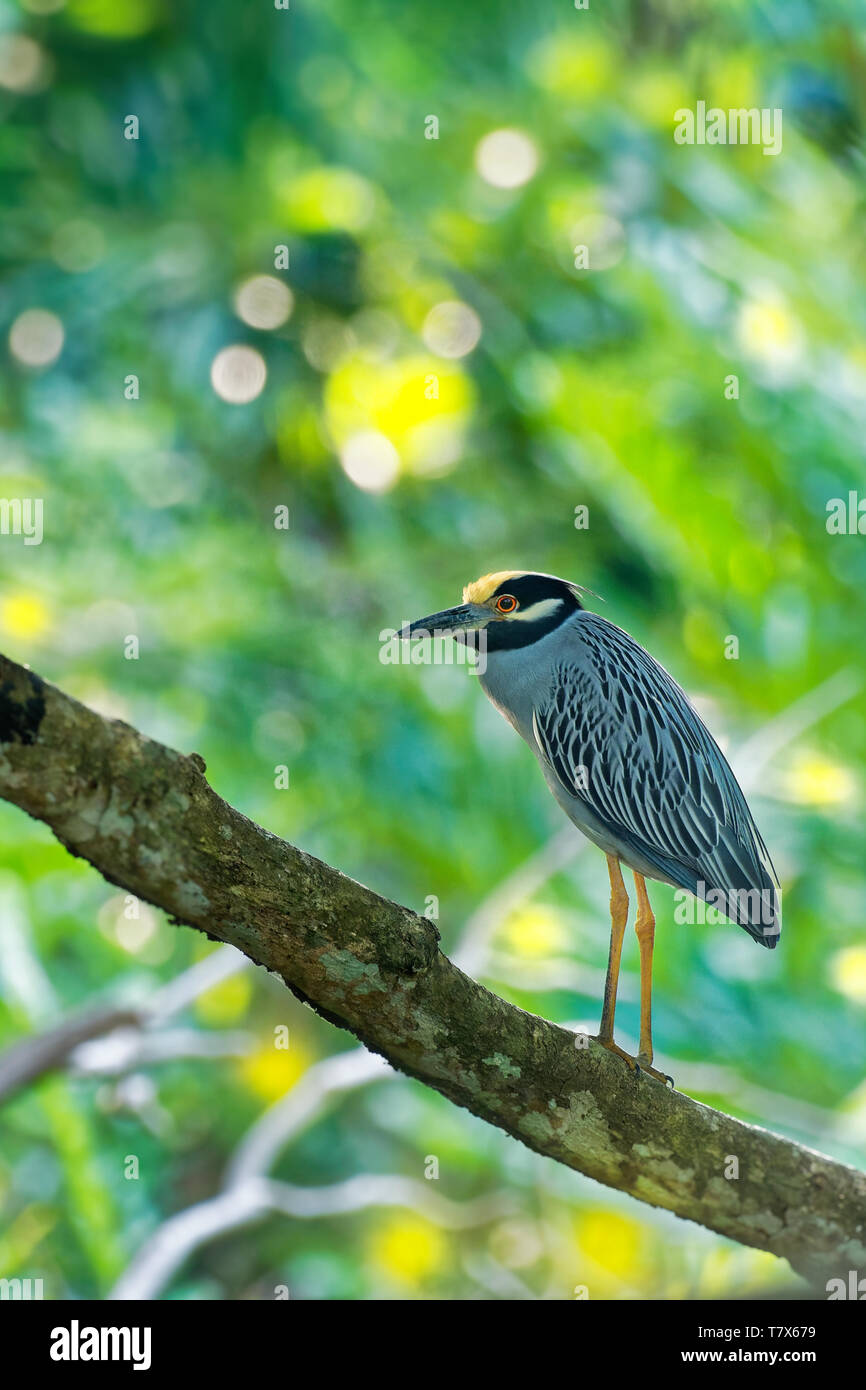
[631, 1062]
[654, 1072]
[638, 1064]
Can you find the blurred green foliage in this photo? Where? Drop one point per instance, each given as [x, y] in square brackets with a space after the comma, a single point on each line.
[411, 461]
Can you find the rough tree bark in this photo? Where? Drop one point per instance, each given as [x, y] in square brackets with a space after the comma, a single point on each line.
[146, 818]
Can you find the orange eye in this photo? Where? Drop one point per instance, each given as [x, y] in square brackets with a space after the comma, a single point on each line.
[506, 604]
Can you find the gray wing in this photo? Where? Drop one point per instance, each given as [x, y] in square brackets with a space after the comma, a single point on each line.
[622, 738]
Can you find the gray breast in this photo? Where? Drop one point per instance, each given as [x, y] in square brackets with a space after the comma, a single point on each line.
[523, 680]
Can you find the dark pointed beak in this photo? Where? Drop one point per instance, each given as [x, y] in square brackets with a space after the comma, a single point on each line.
[468, 615]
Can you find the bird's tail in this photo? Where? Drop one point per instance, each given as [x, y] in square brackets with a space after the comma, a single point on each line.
[754, 906]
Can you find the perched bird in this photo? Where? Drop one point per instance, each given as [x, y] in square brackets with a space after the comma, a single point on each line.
[625, 755]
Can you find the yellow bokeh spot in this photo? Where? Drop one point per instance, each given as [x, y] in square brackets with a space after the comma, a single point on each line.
[226, 1002]
[323, 200]
[409, 1249]
[848, 973]
[733, 83]
[271, 1071]
[715, 1275]
[816, 781]
[24, 1234]
[701, 633]
[535, 931]
[574, 66]
[750, 571]
[724, 1272]
[418, 403]
[453, 228]
[768, 330]
[568, 205]
[613, 1241]
[655, 96]
[115, 19]
[25, 616]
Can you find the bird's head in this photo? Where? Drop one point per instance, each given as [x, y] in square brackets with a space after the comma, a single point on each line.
[512, 607]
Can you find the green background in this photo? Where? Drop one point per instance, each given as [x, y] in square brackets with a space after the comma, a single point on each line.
[259, 647]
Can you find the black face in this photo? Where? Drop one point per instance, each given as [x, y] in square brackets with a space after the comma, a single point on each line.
[521, 627]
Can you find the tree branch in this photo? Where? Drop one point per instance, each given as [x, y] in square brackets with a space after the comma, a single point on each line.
[31, 1058]
[145, 817]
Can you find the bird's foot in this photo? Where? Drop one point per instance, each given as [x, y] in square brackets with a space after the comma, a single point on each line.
[610, 1045]
[645, 1064]
[638, 1063]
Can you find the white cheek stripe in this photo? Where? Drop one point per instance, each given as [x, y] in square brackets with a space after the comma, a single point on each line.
[542, 609]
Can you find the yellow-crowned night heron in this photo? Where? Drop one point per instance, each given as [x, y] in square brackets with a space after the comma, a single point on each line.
[626, 757]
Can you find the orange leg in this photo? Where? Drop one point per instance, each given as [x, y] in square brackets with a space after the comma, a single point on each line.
[645, 929]
[618, 920]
